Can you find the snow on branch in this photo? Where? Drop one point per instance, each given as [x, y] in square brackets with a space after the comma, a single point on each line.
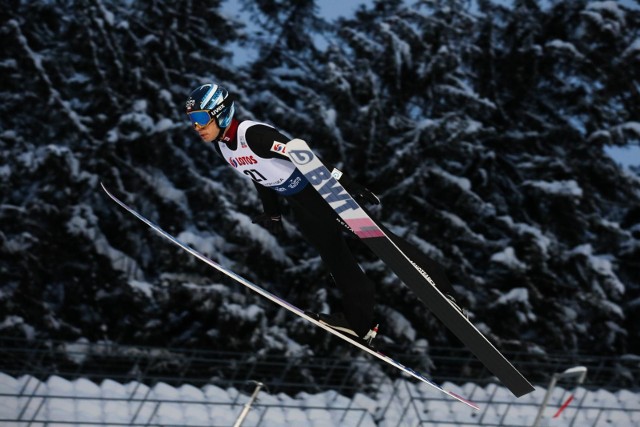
[568, 188]
[54, 96]
[607, 16]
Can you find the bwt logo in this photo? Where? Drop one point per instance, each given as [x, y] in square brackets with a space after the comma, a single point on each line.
[242, 161]
[320, 177]
[301, 157]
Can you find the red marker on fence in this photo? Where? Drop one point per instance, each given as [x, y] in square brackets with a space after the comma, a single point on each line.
[564, 405]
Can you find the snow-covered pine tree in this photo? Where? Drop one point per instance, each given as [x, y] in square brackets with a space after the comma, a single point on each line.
[483, 130]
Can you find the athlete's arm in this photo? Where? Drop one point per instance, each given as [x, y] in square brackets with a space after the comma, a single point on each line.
[263, 140]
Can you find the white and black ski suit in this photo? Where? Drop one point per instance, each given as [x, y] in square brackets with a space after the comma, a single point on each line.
[258, 151]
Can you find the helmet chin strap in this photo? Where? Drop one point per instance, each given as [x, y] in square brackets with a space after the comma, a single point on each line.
[221, 133]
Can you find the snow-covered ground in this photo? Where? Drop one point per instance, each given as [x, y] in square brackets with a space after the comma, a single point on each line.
[56, 401]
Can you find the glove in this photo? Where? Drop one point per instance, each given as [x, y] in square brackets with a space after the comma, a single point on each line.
[360, 193]
[273, 223]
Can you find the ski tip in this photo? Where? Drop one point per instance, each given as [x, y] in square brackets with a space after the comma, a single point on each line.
[463, 400]
[104, 187]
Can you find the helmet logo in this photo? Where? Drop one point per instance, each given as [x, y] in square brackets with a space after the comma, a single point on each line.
[217, 110]
[190, 103]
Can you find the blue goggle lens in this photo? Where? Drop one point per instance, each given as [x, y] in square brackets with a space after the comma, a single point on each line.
[200, 118]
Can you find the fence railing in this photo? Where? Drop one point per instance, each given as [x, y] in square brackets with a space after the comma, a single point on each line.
[394, 400]
[27, 401]
[287, 373]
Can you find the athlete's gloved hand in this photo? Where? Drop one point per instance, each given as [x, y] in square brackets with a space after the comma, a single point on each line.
[273, 223]
[361, 193]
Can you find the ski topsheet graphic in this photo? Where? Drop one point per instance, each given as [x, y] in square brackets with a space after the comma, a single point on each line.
[410, 273]
[295, 310]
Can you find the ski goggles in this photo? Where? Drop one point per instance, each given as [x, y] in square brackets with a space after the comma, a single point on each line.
[200, 118]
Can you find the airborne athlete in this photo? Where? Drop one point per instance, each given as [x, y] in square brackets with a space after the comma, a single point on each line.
[258, 152]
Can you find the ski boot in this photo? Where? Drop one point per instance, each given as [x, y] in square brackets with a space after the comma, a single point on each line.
[338, 322]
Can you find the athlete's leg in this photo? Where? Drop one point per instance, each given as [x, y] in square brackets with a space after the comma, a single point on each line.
[431, 267]
[318, 224]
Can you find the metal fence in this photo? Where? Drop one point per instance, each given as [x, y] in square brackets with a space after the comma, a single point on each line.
[287, 373]
[394, 400]
[141, 406]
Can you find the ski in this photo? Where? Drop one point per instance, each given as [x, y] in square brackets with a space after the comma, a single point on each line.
[410, 273]
[290, 307]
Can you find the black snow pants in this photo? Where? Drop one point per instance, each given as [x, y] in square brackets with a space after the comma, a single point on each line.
[319, 224]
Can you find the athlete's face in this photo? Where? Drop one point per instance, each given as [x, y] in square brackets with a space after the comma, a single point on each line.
[209, 132]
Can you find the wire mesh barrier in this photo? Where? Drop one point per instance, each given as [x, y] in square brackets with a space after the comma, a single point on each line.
[97, 361]
[81, 383]
[27, 401]
[166, 411]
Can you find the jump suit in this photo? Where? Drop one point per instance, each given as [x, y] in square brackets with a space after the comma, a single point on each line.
[258, 151]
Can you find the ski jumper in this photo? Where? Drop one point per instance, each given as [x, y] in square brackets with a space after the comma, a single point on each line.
[258, 152]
